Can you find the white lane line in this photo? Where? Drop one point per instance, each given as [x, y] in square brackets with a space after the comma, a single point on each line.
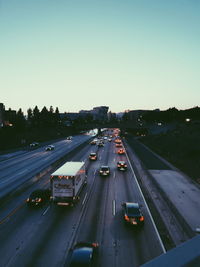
[46, 210]
[21, 172]
[84, 199]
[154, 225]
[113, 207]
[114, 175]
[114, 159]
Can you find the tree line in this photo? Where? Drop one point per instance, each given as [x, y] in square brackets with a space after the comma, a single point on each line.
[37, 125]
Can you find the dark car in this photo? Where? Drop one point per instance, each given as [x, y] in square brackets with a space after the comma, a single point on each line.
[121, 165]
[83, 254]
[93, 156]
[69, 138]
[121, 151]
[100, 144]
[132, 213]
[118, 145]
[118, 141]
[49, 148]
[34, 144]
[104, 171]
[38, 197]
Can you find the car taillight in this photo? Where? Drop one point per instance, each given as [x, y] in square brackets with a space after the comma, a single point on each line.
[142, 218]
[126, 218]
[95, 245]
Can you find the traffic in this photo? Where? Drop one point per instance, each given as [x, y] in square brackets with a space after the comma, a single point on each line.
[85, 200]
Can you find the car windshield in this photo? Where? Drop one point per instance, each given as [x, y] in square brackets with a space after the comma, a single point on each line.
[104, 168]
[36, 194]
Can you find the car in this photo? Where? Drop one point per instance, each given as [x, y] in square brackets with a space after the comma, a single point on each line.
[121, 165]
[132, 214]
[94, 141]
[69, 138]
[100, 144]
[93, 156]
[34, 144]
[118, 141]
[49, 148]
[104, 171]
[109, 139]
[83, 254]
[120, 151]
[38, 197]
[118, 145]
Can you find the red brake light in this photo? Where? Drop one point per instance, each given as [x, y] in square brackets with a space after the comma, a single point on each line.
[126, 218]
[142, 218]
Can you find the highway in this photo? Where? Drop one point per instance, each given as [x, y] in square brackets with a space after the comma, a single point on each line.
[43, 237]
[19, 167]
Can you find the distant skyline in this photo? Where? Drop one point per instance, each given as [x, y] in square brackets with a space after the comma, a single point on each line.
[79, 54]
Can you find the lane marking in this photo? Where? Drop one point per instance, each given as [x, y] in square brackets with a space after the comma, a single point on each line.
[84, 199]
[22, 172]
[114, 175]
[46, 210]
[12, 213]
[152, 220]
[113, 207]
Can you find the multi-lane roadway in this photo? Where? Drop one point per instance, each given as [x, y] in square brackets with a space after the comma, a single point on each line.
[44, 236]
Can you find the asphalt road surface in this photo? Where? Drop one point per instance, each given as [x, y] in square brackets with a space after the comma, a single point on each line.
[44, 236]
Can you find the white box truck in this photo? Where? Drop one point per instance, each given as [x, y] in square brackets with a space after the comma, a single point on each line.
[67, 182]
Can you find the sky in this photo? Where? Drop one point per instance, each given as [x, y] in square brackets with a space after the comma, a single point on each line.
[79, 54]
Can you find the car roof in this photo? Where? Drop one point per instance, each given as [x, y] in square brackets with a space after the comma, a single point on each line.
[38, 192]
[121, 162]
[131, 205]
[81, 255]
[93, 153]
[104, 166]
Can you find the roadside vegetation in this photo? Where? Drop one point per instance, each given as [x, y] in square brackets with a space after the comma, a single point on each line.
[45, 125]
[180, 146]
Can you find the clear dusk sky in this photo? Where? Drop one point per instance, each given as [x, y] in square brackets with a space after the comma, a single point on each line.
[78, 54]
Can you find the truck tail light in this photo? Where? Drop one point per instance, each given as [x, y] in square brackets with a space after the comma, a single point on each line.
[126, 218]
[142, 218]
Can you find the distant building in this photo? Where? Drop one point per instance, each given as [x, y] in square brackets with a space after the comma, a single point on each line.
[7, 117]
[2, 110]
[10, 117]
[100, 113]
[97, 113]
